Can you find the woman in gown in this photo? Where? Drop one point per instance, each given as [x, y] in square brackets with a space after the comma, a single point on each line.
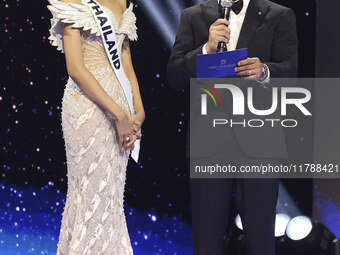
[99, 128]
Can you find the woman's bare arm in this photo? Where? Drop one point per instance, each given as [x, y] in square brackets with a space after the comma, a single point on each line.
[130, 73]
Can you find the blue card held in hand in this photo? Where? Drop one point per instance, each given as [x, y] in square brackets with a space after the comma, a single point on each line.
[219, 64]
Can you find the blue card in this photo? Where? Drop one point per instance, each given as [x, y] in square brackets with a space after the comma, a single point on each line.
[219, 64]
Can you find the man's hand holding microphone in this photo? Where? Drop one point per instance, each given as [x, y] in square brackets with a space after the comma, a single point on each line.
[250, 68]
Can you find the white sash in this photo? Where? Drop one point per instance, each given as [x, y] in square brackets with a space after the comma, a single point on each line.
[110, 43]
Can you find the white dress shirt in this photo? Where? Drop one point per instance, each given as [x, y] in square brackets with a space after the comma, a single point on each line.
[235, 26]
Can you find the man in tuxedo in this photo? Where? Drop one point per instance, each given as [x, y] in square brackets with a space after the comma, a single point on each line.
[268, 30]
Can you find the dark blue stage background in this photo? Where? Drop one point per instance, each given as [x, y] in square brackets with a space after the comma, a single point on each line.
[32, 158]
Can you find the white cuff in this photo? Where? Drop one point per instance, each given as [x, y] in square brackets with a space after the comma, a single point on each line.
[204, 50]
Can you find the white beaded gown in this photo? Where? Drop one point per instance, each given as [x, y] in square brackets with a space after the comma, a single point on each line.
[93, 220]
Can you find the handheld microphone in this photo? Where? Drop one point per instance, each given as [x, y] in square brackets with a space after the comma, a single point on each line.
[225, 6]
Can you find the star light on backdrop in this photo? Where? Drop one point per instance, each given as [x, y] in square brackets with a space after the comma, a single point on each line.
[176, 8]
[165, 17]
[162, 19]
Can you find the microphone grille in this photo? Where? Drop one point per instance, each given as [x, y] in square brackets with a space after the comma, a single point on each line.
[226, 3]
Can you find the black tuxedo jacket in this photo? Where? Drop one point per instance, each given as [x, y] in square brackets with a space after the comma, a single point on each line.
[269, 33]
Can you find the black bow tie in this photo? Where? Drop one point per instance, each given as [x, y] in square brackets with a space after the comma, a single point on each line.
[237, 7]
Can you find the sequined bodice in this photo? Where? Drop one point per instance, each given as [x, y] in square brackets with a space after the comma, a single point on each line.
[95, 58]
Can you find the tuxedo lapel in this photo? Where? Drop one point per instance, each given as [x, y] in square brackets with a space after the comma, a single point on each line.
[255, 14]
[210, 12]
